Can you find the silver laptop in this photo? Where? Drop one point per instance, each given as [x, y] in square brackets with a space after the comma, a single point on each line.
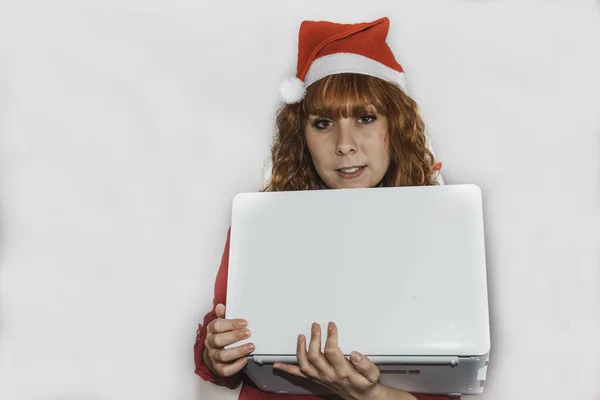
[401, 271]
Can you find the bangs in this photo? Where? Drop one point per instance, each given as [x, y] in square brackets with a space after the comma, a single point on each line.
[345, 96]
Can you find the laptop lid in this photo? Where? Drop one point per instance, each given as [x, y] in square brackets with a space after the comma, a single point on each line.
[400, 270]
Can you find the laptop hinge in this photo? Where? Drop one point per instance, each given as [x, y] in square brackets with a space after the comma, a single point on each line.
[450, 361]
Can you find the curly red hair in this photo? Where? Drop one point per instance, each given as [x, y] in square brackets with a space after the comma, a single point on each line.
[342, 96]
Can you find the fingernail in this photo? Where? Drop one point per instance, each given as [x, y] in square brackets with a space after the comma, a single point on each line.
[246, 333]
[355, 356]
[330, 326]
[243, 324]
[250, 346]
[315, 327]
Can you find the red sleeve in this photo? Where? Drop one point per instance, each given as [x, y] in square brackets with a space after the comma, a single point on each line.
[219, 297]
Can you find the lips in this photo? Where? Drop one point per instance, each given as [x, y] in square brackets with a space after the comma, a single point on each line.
[350, 169]
[352, 172]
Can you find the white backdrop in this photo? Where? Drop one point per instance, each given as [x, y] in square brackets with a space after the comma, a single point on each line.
[127, 127]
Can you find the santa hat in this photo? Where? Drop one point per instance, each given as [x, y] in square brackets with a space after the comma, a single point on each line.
[328, 48]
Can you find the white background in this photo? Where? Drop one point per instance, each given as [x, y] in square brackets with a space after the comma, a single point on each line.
[127, 127]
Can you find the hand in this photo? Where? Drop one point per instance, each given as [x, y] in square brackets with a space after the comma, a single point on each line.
[223, 332]
[355, 379]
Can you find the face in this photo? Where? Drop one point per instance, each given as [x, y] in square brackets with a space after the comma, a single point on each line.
[350, 152]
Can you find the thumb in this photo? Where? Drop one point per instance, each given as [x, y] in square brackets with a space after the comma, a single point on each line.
[365, 367]
[220, 310]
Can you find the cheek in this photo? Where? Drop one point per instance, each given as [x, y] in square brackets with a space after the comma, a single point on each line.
[386, 147]
[320, 160]
[312, 147]
[318, 150]
[386, 143]
[387, 153]
[380, 149]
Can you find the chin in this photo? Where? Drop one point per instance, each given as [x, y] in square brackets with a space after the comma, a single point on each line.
[367, 180]
[352, 185]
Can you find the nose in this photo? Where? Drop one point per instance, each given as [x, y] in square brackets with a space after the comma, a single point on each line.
[346, 141]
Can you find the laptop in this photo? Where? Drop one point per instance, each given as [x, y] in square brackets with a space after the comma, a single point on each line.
[401, 271]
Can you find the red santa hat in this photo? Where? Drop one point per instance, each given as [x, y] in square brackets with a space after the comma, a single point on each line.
[327, 48]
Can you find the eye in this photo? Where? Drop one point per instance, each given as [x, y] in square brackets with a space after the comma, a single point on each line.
[321, 123]
[367, 119]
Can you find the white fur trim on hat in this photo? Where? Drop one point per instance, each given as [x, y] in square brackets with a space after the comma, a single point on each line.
[339, 63]
[292, 90]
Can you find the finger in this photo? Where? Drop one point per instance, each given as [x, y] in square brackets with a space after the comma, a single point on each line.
[220, 325]
[305, 366]
[220, 340]
[220, 310]
[233, 368]
[315, 356]
[289, 368]
[365, 367]
[230, 355]
[334, 354]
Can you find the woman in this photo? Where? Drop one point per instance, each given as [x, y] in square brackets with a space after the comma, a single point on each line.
[347, 123]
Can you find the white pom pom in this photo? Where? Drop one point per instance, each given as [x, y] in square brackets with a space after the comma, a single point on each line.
[292, 90]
